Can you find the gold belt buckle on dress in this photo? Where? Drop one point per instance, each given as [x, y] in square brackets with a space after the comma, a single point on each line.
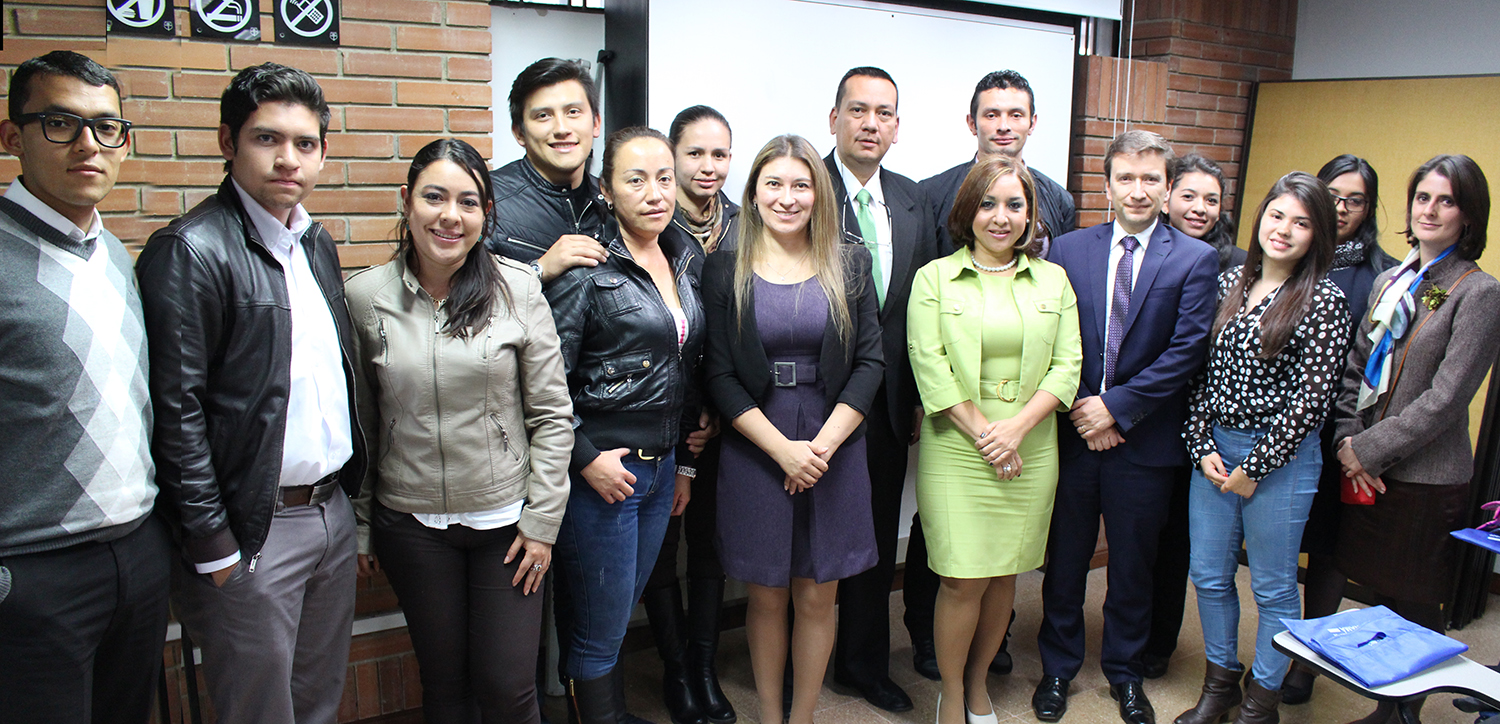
[1013, 385]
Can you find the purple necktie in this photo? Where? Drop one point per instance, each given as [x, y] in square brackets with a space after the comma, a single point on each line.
[1119, 309]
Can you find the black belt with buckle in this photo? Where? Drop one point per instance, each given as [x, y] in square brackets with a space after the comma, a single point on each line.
[791, 374]
[293, 496]
[649, 455]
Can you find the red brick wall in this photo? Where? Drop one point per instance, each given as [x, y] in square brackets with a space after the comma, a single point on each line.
[407, 71]
[1210, 54]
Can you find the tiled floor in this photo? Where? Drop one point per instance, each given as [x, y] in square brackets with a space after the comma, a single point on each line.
[1089, 702]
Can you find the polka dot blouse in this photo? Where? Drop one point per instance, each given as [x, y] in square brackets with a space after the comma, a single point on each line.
[1287, 396]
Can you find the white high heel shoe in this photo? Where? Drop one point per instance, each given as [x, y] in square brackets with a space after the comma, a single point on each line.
[990, 718]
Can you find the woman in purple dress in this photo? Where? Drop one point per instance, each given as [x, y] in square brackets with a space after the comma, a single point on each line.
[793, 363]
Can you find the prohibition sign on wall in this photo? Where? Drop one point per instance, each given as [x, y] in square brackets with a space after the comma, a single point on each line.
[140, 17]
[307, 22]
[226, 19]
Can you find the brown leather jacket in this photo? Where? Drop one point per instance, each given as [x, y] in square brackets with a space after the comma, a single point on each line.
[462, 425]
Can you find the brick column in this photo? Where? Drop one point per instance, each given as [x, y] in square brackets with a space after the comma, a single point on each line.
[1210, 54]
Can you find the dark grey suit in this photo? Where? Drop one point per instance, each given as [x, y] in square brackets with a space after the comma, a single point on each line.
[864, 646]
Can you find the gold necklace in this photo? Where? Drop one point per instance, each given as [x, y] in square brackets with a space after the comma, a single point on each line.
[781, 276]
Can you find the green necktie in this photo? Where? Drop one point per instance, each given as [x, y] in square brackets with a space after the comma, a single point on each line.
[867, 230]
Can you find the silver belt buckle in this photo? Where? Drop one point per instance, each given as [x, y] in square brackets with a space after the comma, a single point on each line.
[776, 376]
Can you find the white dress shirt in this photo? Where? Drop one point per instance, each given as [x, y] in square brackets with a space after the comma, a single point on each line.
[318, 433]
[1117, 250]
[23, 197]
[878, 211]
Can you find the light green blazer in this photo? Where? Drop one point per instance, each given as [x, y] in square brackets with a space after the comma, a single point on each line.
[944, 330]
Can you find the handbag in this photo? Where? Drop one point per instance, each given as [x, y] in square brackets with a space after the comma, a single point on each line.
[1374, 646]
[1351, 495]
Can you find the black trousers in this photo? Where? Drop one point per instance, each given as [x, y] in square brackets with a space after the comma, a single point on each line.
[1133, 500]
[863, 650]
[919, 587]
[698, 524]
[1169, 577]
[82, 630]
[475, 635]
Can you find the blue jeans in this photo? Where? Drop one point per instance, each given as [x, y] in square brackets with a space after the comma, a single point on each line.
[605, 553]
[1269, 523]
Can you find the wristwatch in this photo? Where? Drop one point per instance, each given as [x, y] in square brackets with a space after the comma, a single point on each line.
[537, 270]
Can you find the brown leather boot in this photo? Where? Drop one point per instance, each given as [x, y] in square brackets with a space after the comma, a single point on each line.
[1221, 694]
[1261, 704]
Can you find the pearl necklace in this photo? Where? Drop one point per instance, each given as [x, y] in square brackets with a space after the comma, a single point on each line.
[995, 269]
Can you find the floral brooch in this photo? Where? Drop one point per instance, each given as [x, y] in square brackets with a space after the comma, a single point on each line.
[1434, 297]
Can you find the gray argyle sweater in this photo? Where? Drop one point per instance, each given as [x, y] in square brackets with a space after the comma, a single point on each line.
[75, 413]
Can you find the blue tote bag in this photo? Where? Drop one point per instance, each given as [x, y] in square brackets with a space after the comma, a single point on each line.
[1374, 645]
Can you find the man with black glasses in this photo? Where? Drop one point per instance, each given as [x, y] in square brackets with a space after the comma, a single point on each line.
[84, 565]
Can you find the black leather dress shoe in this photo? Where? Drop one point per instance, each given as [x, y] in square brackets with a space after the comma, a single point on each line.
[1154, 666]
[1002, 664]
[883, 694]
[1135, 708]
[1050, 701]
[924, 659]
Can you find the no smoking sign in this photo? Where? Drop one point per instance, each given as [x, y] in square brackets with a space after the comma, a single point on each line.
[226, 19]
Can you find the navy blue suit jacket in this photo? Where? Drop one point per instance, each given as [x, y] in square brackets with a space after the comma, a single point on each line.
[1166, 337]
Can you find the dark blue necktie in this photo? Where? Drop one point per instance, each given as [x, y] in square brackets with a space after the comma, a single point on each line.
[1119, 308]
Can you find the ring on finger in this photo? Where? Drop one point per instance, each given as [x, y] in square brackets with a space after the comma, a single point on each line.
[536, 567]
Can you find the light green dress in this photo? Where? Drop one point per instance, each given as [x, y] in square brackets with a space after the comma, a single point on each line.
[976, 525]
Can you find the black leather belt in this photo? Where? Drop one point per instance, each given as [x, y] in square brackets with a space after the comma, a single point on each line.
[791, 374]
[648, 455]
[318, 493]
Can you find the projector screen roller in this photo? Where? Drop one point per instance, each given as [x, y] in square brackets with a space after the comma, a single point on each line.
[773, 66]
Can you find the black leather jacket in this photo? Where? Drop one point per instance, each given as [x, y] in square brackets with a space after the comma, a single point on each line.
[531, 212]
[1058, 211]
[219, 323]
[632, 385]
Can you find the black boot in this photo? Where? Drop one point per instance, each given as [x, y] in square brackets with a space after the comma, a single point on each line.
[668, 625]
[617, 688]
[705, 599]
[593, 700]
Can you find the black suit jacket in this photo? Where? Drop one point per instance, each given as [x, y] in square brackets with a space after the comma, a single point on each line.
[913, 244]
[739, 373]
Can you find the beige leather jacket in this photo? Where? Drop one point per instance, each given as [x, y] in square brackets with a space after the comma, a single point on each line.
[460, 425]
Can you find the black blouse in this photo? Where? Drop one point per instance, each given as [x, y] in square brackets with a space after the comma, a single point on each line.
[1287, 396]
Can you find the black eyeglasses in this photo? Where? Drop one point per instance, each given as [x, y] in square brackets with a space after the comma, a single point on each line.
[65, 127]
[1352, 203]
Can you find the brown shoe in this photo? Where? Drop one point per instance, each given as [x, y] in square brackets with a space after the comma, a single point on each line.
[1261, 704]
[1221, 694]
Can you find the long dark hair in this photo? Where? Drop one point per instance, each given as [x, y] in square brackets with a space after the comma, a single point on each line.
[1368, 233]
[1221, 235]
[475, 286]
[1471, 191]
[1292, 303]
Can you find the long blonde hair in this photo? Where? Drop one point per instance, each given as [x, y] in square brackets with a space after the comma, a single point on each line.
[823, 236]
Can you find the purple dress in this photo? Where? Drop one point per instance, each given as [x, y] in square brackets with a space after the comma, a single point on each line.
[767, 536]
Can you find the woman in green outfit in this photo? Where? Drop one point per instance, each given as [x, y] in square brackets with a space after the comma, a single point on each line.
[995, 349]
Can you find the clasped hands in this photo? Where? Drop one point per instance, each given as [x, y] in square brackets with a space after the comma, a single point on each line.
[1237, 481]
[803, 461]
[1095, 424]
[999, 443]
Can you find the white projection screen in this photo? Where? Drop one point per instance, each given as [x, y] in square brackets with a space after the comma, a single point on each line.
[772, 67]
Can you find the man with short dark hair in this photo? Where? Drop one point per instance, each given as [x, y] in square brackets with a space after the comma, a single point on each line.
[887, 213]
[548, 211]
[83, 563]
[252, 384]
[1002, 116]
[1146, 299]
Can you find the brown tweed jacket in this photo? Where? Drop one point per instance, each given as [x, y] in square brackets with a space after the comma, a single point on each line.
[1418, 431]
